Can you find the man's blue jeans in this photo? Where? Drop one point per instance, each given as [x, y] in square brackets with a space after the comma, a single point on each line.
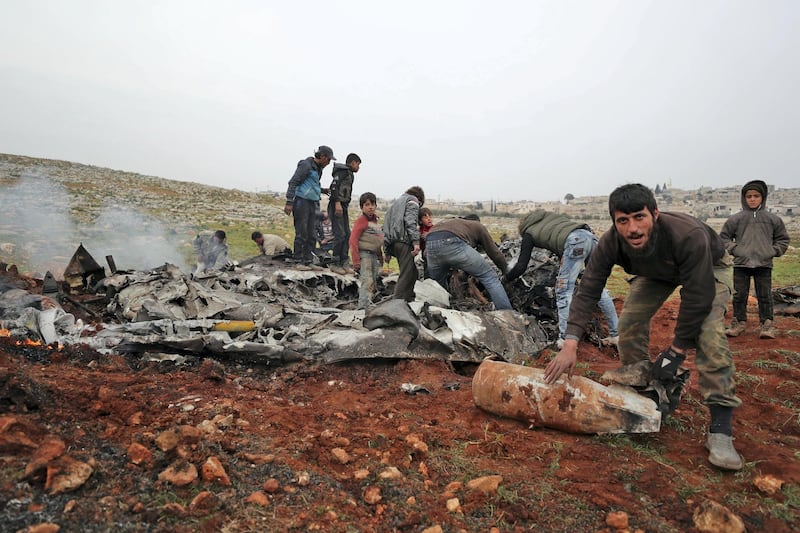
[577, 249]
[453, 253]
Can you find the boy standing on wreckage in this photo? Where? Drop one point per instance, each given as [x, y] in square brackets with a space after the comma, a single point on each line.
[664, 251]
[341, 190]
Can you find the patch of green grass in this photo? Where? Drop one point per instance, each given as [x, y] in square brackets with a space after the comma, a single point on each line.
[748, 471]
[452, 462]
[508, 494]
[679, 423]
[789, 509]
[766, 364]
[642, 447]
[629, 475]
[490, 436]
[793, 358]
[745, 377]
[617, 283]
[786, 269]
[736, 499]
[686, 492]
[792, 494]
[592, 374]
[558, 447]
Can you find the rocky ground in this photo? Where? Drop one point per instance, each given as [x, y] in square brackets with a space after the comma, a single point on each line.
[108, 443]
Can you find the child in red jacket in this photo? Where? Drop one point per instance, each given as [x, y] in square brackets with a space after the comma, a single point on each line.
[366, 249]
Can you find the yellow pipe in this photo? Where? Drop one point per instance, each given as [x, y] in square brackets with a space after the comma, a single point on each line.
[234, 325]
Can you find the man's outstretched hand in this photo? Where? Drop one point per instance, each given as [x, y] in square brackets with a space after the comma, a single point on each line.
[564, 361]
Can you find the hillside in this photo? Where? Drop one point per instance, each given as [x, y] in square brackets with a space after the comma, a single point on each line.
[51, 206]
[143, 221]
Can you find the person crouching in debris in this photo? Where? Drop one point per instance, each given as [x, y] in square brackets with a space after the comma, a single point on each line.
[451, 245]
[324, 231]
[401, 239]
[366, 243]
[211, 251]
[270, 244]
[663, 251]
[573, 242]
[753, 236]
[302, 202]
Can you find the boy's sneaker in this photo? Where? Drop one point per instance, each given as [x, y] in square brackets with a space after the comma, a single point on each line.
[721, 452]
[735, 329]
[560, 343]
[768, 330]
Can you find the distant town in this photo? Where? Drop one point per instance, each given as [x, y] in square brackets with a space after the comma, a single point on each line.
[705, 202]
[710, 204]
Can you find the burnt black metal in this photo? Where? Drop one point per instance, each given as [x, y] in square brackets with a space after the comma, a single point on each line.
[49, 285]
[83, 271]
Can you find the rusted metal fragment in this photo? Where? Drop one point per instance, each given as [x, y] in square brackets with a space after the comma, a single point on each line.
[578, 405]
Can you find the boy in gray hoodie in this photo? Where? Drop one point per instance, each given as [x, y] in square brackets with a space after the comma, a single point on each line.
[753, 236]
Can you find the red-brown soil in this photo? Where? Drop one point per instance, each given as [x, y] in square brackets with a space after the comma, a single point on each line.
[326, 435]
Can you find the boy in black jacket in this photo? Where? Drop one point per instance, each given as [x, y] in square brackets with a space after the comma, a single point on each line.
[341, 190]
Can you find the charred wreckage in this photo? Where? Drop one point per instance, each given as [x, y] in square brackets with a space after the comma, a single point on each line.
[267, 311]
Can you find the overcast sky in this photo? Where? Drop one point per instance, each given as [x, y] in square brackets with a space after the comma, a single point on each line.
[471, 100]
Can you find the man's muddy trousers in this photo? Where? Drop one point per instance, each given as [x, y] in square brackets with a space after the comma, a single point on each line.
[713, 357]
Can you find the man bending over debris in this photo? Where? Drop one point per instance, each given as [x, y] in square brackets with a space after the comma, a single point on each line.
[663, 251]
[211, 250]
[573, 242]
[401, 239]
[451, 245]
[270, 244]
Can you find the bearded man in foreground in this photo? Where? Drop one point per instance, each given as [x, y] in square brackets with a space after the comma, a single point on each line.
[664, 251]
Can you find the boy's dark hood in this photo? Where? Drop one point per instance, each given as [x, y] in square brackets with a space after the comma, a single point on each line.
[755, 185]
